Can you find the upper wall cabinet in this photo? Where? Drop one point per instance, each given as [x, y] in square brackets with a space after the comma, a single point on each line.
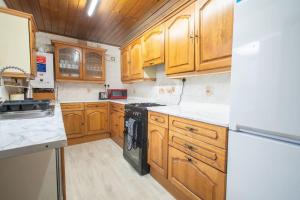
[79, 63]
[68, 62]
[93, 62]
[136, 62]
[17, 40]
[125, 70]
[214, 24]
[153, 46]
[179, 42]
[197, 39]
[132, 64]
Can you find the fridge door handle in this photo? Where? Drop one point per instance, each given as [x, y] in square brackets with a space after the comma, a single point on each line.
[268, 134]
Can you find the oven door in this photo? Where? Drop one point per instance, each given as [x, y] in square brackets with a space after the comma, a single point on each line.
[133, 154]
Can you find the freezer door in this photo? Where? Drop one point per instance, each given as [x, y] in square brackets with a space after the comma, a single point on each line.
[265, 70]
[262, 169]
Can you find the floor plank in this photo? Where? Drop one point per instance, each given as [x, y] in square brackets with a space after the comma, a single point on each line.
[98, 171]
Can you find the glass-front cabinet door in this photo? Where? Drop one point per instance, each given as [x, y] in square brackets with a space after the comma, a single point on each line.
[93, 65]
[69, 62]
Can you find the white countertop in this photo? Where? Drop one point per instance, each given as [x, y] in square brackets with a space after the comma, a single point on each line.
[22, 136]
[120, 101]
[216, 114]
[209, 113]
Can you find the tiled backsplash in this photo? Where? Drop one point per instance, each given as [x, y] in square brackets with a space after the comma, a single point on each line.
[213, 88]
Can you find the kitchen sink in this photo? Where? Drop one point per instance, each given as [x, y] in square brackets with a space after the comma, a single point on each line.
[29, 114]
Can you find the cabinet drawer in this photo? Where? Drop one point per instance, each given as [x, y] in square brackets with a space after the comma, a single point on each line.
[96, 105]
[211, 134]
[72, 106]
[158, 119]
[214, 156]
[117, 107]
[195, 179]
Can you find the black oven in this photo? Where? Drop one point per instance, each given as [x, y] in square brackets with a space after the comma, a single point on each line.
[135, 140]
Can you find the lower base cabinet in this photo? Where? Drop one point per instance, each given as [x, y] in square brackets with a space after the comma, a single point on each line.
[96, 120]
[74, 123]
[117, 123]
[184, 161]
[85, 121]
[195, 179]
[158, 148]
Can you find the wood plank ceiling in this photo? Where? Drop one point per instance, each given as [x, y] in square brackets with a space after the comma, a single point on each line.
[111, 23]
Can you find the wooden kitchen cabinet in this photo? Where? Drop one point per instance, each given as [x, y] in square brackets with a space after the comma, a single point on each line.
[136, 62]
[75, 62]
[96, 120]
[85, 121]
[68, 62]
[17, 40]
[132, 64]
[199, 131]
[125, 65]
[197, 180]
[93, 65]
[179, 42]
[153, 46]
[33, 49]
[74, 123]
[214, 26]
[117, 123]
[209, 154]
[158, 148]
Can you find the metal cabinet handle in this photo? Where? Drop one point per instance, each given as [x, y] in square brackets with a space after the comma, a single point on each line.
[191, 129]
[189, 159]
[190, 147]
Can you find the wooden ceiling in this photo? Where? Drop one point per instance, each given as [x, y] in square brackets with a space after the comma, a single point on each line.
[111, 23]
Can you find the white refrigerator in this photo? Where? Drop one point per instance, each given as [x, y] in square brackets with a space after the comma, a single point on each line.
[264, 136]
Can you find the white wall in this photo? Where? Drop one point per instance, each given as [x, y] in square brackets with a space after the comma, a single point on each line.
[213, 88]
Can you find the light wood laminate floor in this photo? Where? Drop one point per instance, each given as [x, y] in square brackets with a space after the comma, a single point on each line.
[98, 171]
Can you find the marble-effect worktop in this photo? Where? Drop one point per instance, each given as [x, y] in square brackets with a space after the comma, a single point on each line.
[208, 113]
[216, 114]
[22, 136]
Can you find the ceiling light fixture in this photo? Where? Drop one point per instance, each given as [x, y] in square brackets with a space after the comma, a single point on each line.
[92, 7]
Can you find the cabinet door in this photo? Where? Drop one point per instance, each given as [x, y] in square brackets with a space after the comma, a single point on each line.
[136, 63]
[93, 65]
[214, 25]
[179, 42]
[74, 123]
[96, 121]
[68, 62]
[158, 148]
[121, 125]
[153, 46]
[32, 38]
[114, 124]
[125, 70]
[194, 178]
